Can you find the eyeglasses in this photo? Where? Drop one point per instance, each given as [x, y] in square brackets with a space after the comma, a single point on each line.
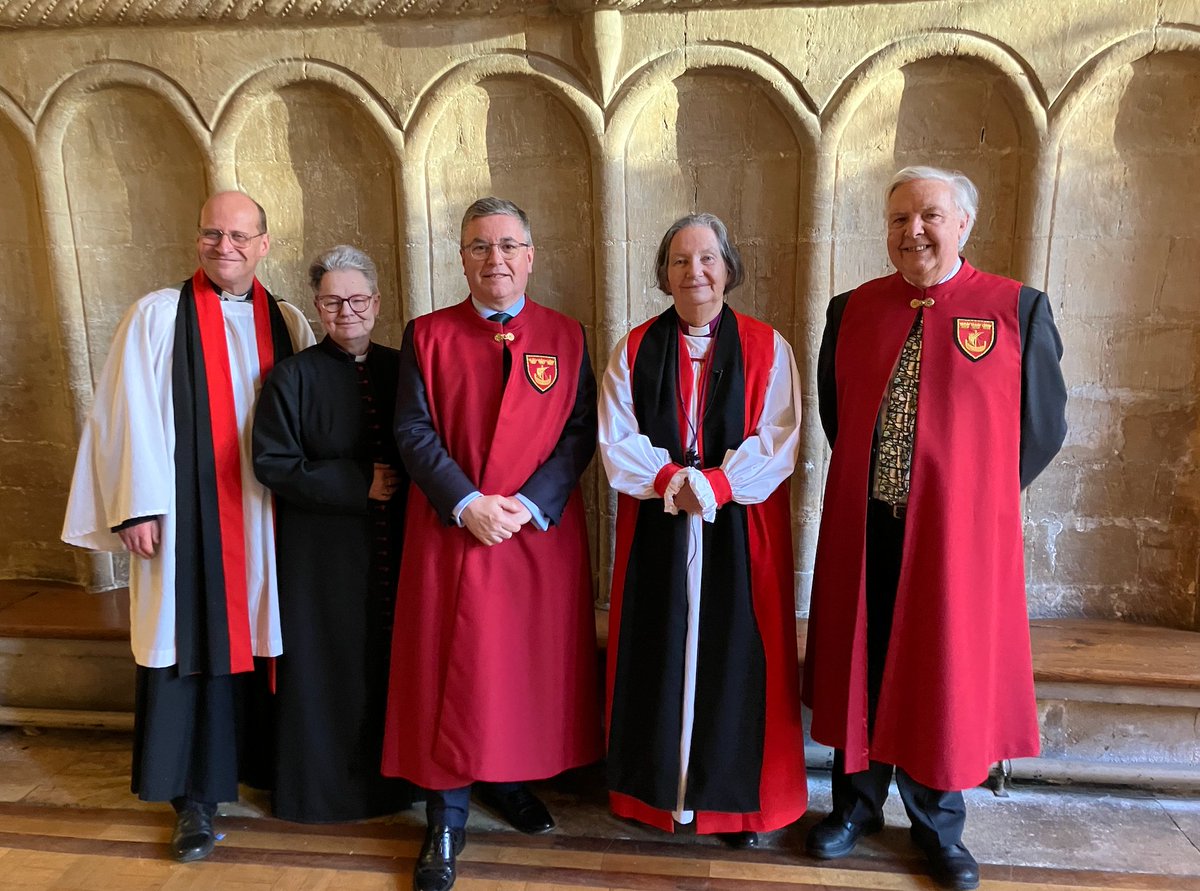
[481, 250]
[333, 305]
[237, 239]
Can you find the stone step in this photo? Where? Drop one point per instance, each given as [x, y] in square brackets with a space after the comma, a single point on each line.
[1117, 702]
[64, 656]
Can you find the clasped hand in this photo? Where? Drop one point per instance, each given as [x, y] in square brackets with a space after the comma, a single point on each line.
[495, 518]
[384, 483]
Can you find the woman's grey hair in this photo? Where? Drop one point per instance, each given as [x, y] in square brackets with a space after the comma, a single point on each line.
[490, 207]
[735, 271]
[342, 257]
[966, 196]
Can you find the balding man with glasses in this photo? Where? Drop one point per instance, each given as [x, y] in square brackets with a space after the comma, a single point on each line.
[164, 472]
[493, 658]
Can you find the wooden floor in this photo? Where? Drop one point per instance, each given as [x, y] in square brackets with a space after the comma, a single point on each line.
[105, 849]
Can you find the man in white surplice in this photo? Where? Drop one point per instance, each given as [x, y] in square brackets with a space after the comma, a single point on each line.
[164, 471]
[699, 432]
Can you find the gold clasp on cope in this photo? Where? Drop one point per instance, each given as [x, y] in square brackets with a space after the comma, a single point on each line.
[500, 338]
[917, 304]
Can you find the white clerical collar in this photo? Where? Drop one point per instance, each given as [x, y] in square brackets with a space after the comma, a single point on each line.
[706, 330]
[233, 298]
[486, 311]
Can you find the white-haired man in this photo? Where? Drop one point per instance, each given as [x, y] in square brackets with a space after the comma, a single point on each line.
[941, 395]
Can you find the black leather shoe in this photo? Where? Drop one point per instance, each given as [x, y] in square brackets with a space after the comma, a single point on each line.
[522, 809]
[739, 841]
[193, 838]
[953, 866]
[437, 864]
[834, 837]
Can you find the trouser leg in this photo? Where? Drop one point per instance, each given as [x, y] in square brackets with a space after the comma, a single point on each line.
[448, 807]
[937, 816]
[859, 797]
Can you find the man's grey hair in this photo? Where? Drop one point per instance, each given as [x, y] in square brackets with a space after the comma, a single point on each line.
[490, 207]
[966, 196]
[342, 257]
[735, 270]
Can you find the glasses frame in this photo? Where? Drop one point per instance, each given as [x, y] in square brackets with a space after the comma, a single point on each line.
[237, 239]
[344, 300]
[481, 250]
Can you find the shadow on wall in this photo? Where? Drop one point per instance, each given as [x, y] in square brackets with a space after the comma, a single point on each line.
[35, 453]
[326, 176]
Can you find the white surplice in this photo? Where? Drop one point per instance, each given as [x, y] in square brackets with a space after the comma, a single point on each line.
[126, 468]
[754, 470]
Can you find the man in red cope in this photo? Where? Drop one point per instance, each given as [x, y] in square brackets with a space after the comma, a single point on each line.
[941, 393]
[494, 650]
[164, 471]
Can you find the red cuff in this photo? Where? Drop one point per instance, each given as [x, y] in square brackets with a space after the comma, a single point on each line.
[664, 477]
[720, 485]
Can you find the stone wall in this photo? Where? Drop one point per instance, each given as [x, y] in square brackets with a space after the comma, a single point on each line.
[376, 123]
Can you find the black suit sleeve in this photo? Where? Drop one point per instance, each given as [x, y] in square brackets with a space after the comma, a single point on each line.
[827, 366]
[425, 457]
[1043, 392]
[333, 485]
[551, 484]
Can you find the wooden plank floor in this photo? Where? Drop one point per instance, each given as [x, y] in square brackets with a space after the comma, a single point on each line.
[105, 849]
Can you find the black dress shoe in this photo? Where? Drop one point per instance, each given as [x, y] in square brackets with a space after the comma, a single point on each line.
[952, 866]
[522, 809]
[835, 837]
[437, 864]
[193, 838]
[739, 841]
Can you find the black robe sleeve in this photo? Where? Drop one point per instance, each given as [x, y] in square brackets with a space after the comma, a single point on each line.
[424, 454]
[827, 366]
[332, 485]
[551, 484]
[1043, 392]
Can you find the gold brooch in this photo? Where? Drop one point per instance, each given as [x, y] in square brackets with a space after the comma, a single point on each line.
[917, 304]
[500, 338]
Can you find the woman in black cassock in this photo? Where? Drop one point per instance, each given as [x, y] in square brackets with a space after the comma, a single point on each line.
[323, 444]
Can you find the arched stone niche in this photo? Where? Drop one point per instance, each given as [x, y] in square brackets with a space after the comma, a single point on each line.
[1125, 275]
[947, 112]
[713, 140]
[38, 442]
[135, 182]
[326, 176]
[508, 136]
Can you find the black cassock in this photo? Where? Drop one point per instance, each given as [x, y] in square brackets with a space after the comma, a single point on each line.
[322, 422]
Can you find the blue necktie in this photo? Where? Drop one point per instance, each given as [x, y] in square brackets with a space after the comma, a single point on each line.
[503, 318]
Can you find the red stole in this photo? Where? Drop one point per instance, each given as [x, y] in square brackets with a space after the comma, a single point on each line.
[957, 690]
[781, 783]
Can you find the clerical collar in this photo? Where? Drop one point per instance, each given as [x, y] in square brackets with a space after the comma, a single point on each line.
[485, 311]
[708, 330]
[234, 298]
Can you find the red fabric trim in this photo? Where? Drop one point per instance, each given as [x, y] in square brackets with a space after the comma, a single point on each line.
[262, 330]
[782, 784]
[664, 476]
[720, 485]
[227, 455]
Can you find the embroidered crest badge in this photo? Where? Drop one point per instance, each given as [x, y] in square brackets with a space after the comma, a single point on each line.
[975, 337]
[542, 371]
